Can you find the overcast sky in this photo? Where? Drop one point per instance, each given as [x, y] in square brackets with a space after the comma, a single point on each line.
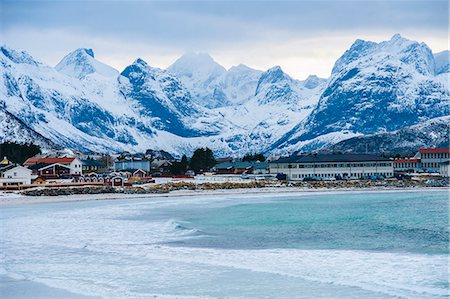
[303, 37]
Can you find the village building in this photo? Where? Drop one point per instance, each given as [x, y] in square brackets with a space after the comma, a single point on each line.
[444, 169]
[332, 166]
[133, 164]
[241, 167]
[407, 165]
[139, 173]
[39, 163]
[431, 158]
[5, 162]
[54, 171]
[161, 167]
[14, 175]
[90, 165]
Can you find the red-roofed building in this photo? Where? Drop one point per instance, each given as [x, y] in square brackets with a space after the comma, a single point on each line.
[431, 158]
[407, 164]
[37, 163]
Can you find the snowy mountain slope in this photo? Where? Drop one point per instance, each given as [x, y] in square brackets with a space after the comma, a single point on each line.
[197, 71]
[313, 81]
[432, 133]
[375, 88]
[87, 105]
[442, 63]
[81, 63]
[279, 103]
[211, 85]
[55, 105]
[160, 96]
[14, 130]
[237, 85]
[96, 113]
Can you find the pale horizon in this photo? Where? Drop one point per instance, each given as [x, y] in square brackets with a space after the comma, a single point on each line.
[299, 36]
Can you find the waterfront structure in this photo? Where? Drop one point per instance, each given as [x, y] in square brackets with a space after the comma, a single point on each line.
[444, 169]
[431, 158]
[133, 164]
[407, 165]
[331, 166]
[240, 167]
[90, 165]
[161, 167]
[13, 175]
[40, 163]
[54, 171]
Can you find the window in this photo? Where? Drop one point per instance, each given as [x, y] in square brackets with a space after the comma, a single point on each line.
[15, 173]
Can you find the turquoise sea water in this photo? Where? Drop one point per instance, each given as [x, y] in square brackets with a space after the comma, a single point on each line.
[306, 245]
[413, 222]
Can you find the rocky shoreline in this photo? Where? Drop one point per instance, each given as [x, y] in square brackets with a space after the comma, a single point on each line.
[175, 186]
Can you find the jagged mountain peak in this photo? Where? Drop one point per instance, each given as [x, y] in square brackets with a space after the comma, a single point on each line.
[312, 81]
[241, 67]
[398, 48]
[141, 61]
[81, 63]
[196, 64]
[18, 56]
[273, 75]
[83, 51]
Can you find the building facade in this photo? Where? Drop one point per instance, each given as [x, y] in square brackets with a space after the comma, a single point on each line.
[407, 165]
[13, 175]
[444, 169]
[240, 167]
[332, 166]
[133, 164]
[74, 164]
[431, 158]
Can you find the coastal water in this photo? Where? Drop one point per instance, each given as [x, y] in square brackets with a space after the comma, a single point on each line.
[330, 245]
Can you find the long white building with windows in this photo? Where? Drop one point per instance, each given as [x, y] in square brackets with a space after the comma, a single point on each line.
[345, 166]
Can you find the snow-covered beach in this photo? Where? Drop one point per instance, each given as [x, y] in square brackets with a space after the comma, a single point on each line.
[15, 198]
[226, 243]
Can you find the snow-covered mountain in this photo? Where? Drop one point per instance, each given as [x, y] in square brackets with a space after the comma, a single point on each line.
[197, 72]
[210, 84]
[442, 62]
[374, 87]
[432, 133]
[90, 111]
[14, 130]
[81, 63]
[85, 104]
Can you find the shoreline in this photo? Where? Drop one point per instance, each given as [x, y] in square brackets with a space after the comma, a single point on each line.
[11, 199]
[29, 289]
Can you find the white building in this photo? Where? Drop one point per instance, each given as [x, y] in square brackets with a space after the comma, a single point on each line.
[13, 175]
[431, 158]
[444, 169]
[346, 166]
[74, 164]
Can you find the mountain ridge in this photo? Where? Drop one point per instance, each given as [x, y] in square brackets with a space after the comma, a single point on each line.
[82, 106]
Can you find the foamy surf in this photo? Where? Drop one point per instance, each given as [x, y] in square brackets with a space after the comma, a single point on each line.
[124, 249]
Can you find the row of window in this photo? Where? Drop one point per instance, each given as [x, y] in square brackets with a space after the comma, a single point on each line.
[334, 175]
[406, 164]
[431, 164]
[434, 155]
[335, 165]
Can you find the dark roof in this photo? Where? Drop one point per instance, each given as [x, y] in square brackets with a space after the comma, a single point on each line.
[317, 158]
[92, 163]
[7, 167]
[242, 165]
[38, 166]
